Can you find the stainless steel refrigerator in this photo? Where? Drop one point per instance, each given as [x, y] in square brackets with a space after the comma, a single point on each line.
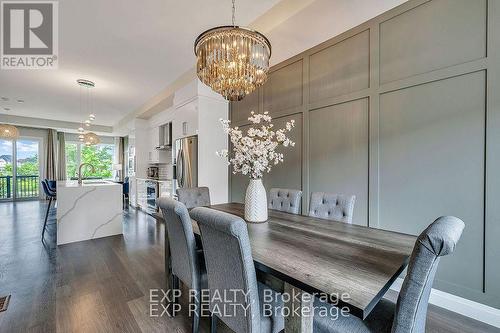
[185, 162]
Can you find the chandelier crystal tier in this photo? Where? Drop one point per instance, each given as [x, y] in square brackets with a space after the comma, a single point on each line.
[8, 132]
[232, 60]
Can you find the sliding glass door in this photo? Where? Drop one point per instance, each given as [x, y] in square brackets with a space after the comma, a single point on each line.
[6, 170]
[19, 169]
[27, 169]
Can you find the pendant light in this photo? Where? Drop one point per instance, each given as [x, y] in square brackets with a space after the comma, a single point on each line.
[89, 138]
[232, 60]
[8, 132]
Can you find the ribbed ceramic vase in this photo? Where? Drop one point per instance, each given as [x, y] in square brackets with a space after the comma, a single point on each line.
[256, 202]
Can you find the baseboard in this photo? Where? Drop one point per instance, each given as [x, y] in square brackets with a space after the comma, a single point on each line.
[465, 307]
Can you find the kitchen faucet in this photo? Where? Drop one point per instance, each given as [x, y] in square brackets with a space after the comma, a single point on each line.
[80, 171]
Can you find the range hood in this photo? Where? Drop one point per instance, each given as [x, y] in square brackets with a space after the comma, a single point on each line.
[165, 137]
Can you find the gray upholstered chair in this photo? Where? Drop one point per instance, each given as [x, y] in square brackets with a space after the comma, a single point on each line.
[194, 196]
[409, 314]
[285, 200]
[187, 263]
[332, 206]
[230, 266]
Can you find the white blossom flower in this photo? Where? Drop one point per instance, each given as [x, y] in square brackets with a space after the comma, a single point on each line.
[255, 152]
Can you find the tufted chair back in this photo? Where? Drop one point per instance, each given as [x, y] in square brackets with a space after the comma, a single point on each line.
[185, 263]
[230, 267]
[194, 196]
[285, 200]
[332, 206]
[438, 240]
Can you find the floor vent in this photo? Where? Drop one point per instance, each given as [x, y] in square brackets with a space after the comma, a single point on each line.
[4, 303]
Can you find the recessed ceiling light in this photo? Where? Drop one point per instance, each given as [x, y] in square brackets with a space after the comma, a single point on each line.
[6, 109]
[20, 100]
[5, 99]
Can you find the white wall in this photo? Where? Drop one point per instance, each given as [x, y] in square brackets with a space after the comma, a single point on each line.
[200, 107]
[212, 170]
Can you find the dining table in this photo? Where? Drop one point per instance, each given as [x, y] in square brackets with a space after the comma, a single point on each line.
[354, 265]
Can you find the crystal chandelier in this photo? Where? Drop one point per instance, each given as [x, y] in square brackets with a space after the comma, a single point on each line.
[8, 132]
[232, 60]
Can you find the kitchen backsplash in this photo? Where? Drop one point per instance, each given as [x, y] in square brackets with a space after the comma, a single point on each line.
[165, 171]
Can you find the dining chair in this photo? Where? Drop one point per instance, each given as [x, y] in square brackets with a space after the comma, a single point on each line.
[52, 185]
[230, 266]
[194, 196]
[187, 263]
[125, 190]
[332, 206]
[285, 200]
[51, 195]
[408, 315]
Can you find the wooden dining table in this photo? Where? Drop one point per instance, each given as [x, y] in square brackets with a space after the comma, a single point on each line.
[318, 256]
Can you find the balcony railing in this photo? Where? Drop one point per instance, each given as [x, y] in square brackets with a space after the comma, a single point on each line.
[26, 187]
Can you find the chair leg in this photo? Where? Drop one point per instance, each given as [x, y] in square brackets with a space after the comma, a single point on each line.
[197, 313]
[46, 217]
[213, 323]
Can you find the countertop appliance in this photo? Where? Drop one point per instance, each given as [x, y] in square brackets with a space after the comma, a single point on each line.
[152, 193]
[153, 172]
[165, 139]
[186, 162]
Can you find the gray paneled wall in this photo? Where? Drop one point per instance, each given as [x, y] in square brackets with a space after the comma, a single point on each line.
[338, 152]
[403, 111]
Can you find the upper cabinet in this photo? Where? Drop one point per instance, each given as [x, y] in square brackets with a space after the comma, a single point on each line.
[155, 154]
[185, 122]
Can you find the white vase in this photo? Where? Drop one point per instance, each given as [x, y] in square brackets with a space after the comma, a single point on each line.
[256, 202]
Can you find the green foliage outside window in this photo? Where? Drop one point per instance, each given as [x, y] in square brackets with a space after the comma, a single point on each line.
[27, 187]
[71, 160]
[100, 156]
[29, 167]
[7, 170]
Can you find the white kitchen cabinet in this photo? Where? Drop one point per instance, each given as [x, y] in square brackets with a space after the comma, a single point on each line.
[142, 193]
[185, 122]
[156, 155]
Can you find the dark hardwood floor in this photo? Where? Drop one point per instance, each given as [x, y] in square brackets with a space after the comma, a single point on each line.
[103, 285]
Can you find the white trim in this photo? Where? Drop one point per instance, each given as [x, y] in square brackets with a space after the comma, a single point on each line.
[463, 306]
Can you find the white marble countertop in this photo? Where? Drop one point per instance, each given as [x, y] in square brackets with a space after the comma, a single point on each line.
[90, 210]
[86, 183]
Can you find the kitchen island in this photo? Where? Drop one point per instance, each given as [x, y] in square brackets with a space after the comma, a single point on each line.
[89, 210]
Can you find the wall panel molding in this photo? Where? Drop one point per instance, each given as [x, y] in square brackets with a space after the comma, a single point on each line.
[427, 61]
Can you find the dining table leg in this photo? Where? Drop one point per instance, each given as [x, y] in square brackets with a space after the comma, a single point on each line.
[300, 313]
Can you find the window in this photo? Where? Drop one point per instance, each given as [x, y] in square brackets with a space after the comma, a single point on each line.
[19, 179]
[100, 156]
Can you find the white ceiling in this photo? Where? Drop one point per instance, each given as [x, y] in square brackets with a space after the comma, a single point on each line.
[131, 49]
[135, 50]
[321, 20]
